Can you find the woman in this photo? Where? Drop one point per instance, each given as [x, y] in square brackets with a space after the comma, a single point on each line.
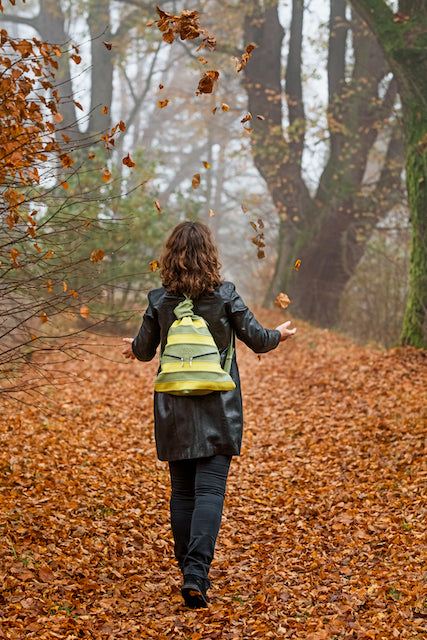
[198, 435]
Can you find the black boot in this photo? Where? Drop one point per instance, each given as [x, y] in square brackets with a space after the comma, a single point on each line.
[194, 591]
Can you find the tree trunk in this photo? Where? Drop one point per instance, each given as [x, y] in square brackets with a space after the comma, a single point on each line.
[404, 39]
[324, 232]
[102, 66]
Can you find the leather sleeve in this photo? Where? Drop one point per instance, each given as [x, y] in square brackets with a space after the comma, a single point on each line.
[247, 328]
[146, 342]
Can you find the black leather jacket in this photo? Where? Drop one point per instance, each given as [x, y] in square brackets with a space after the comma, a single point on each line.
[201, 426]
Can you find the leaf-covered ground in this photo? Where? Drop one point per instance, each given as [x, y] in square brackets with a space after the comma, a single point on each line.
[324, 529]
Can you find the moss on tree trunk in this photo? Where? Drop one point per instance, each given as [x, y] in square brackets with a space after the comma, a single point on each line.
[413, 332]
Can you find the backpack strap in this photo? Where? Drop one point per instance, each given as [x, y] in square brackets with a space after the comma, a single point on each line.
[230, 353]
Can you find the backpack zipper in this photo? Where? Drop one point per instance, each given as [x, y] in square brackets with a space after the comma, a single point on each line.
[202, 355]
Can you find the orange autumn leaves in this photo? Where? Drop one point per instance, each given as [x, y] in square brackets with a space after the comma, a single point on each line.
[328, 542]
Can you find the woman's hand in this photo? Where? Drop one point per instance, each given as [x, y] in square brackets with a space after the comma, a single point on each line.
[127, 349]
[285, 332]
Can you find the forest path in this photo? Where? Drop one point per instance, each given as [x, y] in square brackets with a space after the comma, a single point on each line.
[323, 535]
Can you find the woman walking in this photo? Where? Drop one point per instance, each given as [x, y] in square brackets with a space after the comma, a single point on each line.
[198, 434]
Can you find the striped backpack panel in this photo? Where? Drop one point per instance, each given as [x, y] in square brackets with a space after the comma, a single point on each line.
[190, 363]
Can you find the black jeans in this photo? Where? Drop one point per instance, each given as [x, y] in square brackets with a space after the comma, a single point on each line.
[197, 498]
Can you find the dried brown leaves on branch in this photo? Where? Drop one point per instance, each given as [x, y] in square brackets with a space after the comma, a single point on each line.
[323, 535]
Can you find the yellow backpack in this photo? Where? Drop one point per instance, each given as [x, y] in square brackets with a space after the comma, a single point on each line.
[190, 363]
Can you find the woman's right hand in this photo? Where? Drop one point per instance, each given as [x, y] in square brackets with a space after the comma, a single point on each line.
[285, 332]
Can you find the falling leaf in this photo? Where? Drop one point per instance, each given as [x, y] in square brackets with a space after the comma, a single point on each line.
[297, 265]
[154, 265]
[244, 59]
[282, 301]
[66, 161]
[247, 117]
[107, 45]
[128, 161]
[48, 254]
[64, 284]
[97, 255]
[106, 175]
[158, 206]
[207, 81]
[169, 36]
[44, 317]
[195, 181]
[162, 103]
[245, 208]
[14, 254]
[214, 110]
[49, 285]
[211, 213]
[84, 311]
[206, 165]
[225, 107]
[160, 86]
[91, 156]
[260, 117]
[104, 109]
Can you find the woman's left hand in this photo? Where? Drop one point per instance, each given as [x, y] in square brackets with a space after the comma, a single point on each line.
[127, 349]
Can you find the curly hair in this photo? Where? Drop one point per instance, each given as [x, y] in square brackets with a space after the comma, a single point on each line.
[190, 262]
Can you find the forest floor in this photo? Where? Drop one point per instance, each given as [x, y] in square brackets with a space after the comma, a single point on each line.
[324, 528]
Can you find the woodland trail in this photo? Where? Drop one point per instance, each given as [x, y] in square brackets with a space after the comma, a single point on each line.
[324, 529]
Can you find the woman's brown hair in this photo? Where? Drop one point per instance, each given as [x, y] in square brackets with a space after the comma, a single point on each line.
[190, 261]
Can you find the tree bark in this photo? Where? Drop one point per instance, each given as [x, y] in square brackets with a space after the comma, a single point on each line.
[403, 38]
